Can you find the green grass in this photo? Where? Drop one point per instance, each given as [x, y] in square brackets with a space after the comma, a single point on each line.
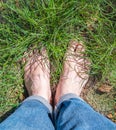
[53, 23]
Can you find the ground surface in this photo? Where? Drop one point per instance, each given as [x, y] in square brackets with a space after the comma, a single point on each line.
[26, 25]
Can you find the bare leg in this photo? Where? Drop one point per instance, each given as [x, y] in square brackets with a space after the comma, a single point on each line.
[75, 71]
[37, 75]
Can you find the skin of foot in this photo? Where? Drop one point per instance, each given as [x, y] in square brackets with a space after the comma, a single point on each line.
[37, 75]
[75, 71]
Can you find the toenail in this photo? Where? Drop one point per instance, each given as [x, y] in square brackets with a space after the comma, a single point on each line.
[78, 46]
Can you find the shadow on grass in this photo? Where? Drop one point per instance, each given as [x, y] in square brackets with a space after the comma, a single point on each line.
[8, 113]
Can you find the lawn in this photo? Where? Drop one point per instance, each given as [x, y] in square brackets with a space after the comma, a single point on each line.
[25, 25]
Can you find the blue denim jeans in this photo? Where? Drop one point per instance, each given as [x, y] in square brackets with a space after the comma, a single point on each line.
[71, 113]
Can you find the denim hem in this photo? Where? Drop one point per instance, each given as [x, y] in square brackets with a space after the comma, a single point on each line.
[67, 97]
[40, 99]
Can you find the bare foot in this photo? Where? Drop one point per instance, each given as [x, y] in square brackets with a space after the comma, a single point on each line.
[75, 71]
[37, 75]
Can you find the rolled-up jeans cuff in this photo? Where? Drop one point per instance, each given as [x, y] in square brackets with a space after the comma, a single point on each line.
[40, 99]
[68, 97]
